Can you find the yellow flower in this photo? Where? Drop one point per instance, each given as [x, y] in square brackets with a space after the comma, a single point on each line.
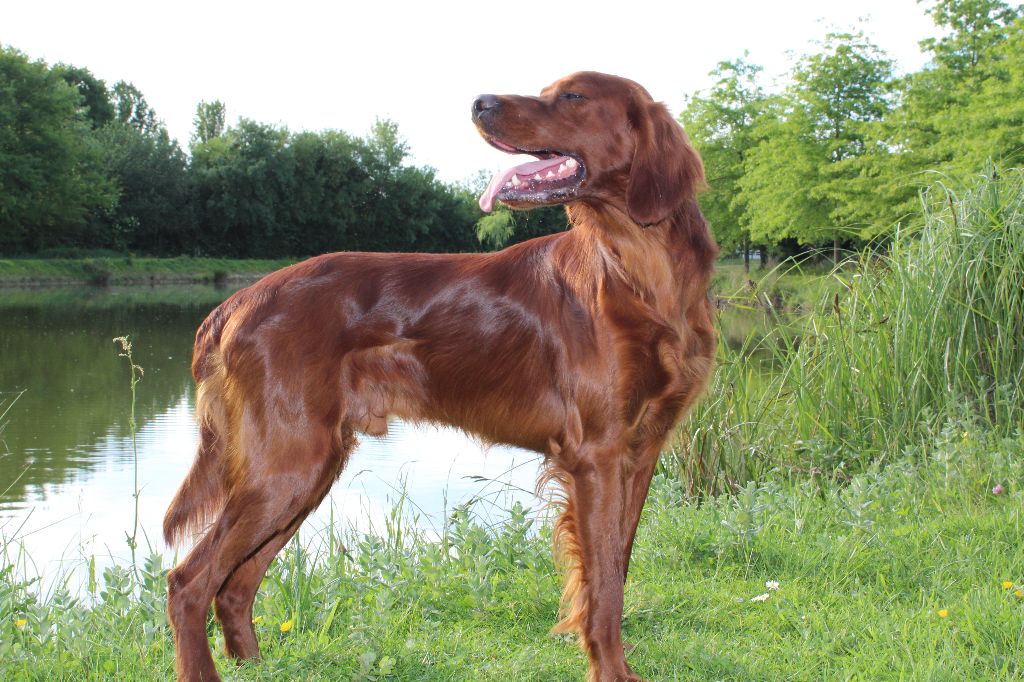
[287, 625]
[21, 622]
[943, 613]
[1007, 584]
[257, 620]
[1019, 593]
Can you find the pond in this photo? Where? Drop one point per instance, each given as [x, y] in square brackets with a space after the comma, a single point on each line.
[66, 457]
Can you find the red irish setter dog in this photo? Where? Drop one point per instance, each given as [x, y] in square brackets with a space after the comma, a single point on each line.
[587, 346]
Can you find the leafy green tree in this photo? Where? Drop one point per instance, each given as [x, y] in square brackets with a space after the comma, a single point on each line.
[208, 122]
[965, 106]
[321, 209]
[240, 179]
[994, 118]
[721, 124]
[153, 213]
[974, 28]
[131, 108]
[779, 174]
[405, 208]
[388, 149]
[95, 98]
[50, 171]
[262, 191]
[847, 91]
[805, 178]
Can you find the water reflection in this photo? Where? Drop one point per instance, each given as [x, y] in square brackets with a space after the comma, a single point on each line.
[66, 462]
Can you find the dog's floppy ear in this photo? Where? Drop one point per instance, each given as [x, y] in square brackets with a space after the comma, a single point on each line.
[666, 170]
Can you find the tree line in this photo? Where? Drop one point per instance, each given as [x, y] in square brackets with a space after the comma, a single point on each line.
[839, 156]
[84, 167]
[835, 158]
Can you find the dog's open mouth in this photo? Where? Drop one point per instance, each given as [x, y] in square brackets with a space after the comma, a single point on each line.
[554, 177]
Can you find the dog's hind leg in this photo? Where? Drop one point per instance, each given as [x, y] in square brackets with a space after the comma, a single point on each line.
[259, 511]
[234, 602]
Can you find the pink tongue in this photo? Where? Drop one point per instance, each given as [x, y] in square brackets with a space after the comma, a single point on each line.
[525, 170]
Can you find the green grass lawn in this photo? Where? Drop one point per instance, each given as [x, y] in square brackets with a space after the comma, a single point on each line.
[912, 572]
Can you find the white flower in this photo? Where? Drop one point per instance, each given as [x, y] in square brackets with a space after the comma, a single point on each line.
[761, 597]
[772, 585]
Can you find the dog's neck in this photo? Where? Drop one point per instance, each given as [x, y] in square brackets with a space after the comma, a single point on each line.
[667, 264]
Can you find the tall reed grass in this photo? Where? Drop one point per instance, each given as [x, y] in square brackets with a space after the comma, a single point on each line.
[931, 325]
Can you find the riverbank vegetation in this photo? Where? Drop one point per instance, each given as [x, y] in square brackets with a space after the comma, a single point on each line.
[921, 331]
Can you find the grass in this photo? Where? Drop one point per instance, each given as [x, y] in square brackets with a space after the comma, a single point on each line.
[790, 286]
[864, 571]
[930, 324]
[131, 270]
[866, 458]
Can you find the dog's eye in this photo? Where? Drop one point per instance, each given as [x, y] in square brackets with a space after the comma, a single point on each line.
[571, 95]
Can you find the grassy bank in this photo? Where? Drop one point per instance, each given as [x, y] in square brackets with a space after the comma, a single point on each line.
[908, 572]
[130, 270]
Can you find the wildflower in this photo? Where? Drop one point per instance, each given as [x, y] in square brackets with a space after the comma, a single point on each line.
[997, 489]
[943, 613]
[761, 597]
[20, 623]
[257, 620]
[967, 436]
[1007, 584]
[1019, 594]
[772, 585]
[287, 625]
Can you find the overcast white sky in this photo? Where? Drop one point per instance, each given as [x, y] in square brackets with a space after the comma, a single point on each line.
[316, 65]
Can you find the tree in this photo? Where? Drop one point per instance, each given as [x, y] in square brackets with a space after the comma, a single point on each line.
[153, 213]
[994, 117]
[50, 174]
[131, 108]
[387, 147]
[975, 28]
[846, 90]
[95, 98]
[721, 125]
[965, 107]
[779, 173]
[208, 122]
[805, 177]
[240, 179]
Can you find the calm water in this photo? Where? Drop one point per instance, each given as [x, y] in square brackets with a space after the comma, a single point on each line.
[66, 465]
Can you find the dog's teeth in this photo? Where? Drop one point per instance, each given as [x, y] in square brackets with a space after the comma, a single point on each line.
[571, 163]
[515, 181]
[561, 168]
[537, 177]
[551, 174]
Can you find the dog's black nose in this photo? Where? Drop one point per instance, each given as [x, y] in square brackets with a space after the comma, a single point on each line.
[484, 103]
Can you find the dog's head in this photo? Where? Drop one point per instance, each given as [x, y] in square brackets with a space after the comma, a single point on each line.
[597, 138]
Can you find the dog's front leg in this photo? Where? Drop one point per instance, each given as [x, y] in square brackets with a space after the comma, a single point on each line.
[596, 507]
